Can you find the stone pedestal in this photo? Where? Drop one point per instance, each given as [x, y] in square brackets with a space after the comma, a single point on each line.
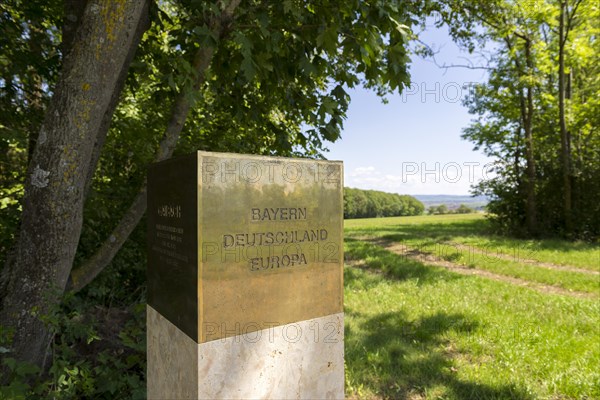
[303, 360]
[245, 278]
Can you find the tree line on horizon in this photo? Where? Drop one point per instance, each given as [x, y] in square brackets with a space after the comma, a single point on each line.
[443, 209]
[360, 203]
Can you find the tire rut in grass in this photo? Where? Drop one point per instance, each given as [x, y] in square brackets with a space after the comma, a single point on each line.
[426, 258]
[535, 263]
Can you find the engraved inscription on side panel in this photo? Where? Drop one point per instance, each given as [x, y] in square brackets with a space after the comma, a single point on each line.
[271, 242]
[172, 242]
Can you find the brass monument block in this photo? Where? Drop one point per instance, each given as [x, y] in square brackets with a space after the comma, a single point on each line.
[240, 243]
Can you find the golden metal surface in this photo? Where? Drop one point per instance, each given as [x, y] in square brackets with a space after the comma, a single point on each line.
[269, 242]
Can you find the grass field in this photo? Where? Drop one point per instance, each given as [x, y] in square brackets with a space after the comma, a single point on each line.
[437, 308]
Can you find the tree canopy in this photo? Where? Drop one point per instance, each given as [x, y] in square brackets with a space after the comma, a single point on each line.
[537, 114]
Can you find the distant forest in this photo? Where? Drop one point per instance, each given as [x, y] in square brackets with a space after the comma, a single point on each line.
[372, 203]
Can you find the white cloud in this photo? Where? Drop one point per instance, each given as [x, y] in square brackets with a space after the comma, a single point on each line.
[363, 171]
[414, 178]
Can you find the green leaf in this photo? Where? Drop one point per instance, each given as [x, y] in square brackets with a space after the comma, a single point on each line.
[404, 30]
[248, 69]
[288, 6]
[10, 362]
[328, 39]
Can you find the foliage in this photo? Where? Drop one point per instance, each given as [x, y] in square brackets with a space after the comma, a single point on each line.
[29, 61]
[527, 46]
[463, 209]
[371, 203]
[99, 348]
[439, 210]
[443, 209]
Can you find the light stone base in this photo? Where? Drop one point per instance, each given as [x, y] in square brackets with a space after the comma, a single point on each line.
[302, 360]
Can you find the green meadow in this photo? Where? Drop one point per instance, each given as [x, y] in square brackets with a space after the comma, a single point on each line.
[438, 308]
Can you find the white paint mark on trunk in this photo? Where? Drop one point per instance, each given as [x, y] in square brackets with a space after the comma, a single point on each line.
[39, 177]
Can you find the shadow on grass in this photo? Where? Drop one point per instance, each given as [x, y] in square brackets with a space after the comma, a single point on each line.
[558, 245]
[403, 359]
[396, 267]
[399, 358]
[436, 232]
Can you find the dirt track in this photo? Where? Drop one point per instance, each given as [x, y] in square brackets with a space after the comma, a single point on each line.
[502, 256]
[430, 259]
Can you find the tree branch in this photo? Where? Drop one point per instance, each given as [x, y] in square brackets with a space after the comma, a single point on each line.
[143, 26]
[445, 66]
[570, 16]
[83, 275]
[73, 14]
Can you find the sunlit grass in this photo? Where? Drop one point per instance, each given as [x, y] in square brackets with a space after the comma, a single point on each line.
[418, 331]
[560, 252]
[473, 230]
[578, 281]
[511, 257]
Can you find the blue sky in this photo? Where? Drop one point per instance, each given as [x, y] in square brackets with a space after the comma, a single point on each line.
[412, 145]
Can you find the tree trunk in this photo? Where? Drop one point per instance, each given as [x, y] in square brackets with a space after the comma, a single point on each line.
[565, 151]
[35, 275]
[143, 26]
[517, 161]
[527, 110]
[34, 92]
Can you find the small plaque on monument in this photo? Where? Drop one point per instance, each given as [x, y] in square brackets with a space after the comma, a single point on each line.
[245, 278]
